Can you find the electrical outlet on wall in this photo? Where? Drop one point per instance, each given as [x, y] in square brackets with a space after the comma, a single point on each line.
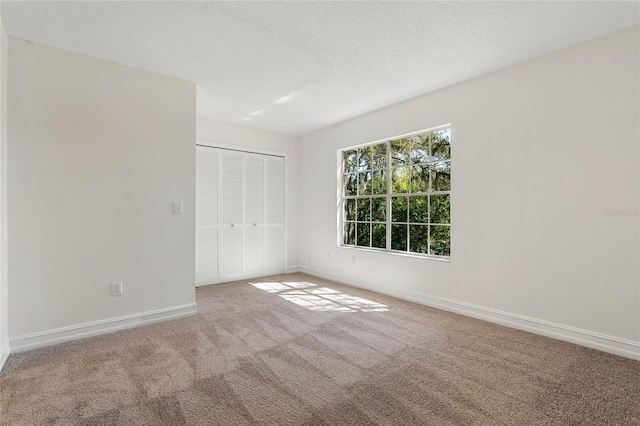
[353, 258]
[116, 289]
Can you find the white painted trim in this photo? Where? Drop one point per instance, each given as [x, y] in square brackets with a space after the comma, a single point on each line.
[5, 351]
[393, 138]
[241, 148]
[80, 331]
[397, 253]
[293, 269]
[590, 339]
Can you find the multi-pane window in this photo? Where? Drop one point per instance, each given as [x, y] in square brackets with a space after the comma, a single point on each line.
[396, 194]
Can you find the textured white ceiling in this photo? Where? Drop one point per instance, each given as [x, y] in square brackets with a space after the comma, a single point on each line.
[306, 65]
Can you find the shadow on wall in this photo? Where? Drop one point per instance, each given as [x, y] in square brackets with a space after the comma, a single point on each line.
[320, 299]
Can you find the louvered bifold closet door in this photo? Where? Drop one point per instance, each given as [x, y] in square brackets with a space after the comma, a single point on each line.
[254, 211]
[230, 215]
[275, 216]
[207, 232]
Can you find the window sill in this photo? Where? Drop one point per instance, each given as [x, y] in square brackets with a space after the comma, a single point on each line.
[398, 253]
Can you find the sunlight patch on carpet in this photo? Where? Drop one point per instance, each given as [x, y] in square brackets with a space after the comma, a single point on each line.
[320, 298]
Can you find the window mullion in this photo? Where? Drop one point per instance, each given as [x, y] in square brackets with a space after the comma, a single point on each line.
[430, 188]
[388, 215]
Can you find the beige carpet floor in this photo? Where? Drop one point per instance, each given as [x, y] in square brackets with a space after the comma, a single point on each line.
[297, 350]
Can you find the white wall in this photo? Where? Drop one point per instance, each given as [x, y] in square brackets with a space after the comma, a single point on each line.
[539, 152]
[98, 154]
[4, 306]
[234, 135]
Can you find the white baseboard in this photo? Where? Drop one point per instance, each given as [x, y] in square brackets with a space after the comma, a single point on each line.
[293, 269]
[4, 353]
[80, 331]
[590, 339]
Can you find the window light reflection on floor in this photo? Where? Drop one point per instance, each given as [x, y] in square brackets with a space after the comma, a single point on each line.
[317, 298]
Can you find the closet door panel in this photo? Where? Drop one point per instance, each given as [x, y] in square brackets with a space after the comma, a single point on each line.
[230, 188]
[231, 253]
[275, 250]
[207, 268]
[254, 251]
[206, 187]
[207, 271]
[230, 215]
[254, 189]
[275, 189]
[275, 234]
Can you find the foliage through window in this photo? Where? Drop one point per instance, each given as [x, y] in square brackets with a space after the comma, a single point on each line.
[396, 195]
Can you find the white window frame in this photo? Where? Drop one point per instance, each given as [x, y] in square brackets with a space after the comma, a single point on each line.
[389, 195]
